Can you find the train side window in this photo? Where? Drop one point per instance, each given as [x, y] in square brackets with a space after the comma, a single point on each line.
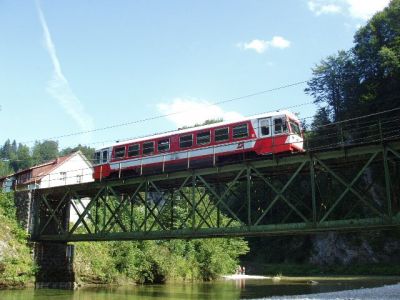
[119, 152]
[163, 145]
[97, 158]
[240, 131]
[186, 141]
[280, 125]
[105, 156]
[221, 134]
[203, 138]
[148, 148]
[133, 150]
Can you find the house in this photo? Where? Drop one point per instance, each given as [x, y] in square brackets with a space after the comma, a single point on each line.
[71, 169]
[6, 183]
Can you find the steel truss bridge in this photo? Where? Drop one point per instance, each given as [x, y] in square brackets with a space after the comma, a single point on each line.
[348, 188]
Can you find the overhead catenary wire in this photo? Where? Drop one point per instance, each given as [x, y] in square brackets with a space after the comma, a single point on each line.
[316, 128]
[366, 137]
[170, 114]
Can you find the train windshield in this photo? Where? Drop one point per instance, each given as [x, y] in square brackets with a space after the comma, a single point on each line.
[295, 127]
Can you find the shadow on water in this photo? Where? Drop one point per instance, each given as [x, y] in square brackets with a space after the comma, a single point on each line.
[223, 289]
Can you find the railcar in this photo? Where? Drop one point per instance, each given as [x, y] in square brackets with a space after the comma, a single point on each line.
[208, 145]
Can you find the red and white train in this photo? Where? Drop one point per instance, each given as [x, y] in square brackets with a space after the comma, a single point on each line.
[268, 133]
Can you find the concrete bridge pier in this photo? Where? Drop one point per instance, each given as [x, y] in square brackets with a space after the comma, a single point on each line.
[54, 259]
[55, 262]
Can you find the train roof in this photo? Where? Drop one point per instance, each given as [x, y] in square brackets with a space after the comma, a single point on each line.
[202, 127]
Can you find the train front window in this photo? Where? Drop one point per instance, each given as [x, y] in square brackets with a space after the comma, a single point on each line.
[105, 156]
[295, 127]
[280, 125]
[119, 152]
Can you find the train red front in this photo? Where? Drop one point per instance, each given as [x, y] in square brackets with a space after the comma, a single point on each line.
[203, 146]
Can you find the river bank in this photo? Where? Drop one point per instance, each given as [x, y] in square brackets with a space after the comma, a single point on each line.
[218, 289]
[295, 270]
[379, 293]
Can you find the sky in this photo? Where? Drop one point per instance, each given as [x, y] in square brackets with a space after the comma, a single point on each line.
[93, 72]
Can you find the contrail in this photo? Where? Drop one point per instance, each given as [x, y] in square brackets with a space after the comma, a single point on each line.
[58, 87]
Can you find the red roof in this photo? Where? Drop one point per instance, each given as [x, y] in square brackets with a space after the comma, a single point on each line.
[39, 171]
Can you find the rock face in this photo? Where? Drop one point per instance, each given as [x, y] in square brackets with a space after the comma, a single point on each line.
[344, 249]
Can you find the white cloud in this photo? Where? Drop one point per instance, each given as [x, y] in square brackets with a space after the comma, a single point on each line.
[187, 112]
[358, 9]
[279, 42]
[365, 9]
[58, 87]
[257, 45]
[321, 7]
[260, 46]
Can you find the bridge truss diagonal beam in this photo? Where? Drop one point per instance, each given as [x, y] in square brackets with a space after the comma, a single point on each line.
[295, 194]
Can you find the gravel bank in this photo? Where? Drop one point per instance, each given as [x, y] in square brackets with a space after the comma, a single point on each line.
[380, 293]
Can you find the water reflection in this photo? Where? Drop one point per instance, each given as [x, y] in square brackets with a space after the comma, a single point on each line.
[223, 289]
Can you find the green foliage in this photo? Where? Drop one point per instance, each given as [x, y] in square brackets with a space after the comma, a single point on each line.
[206, 122]
[87, 151]
[16, 264]
[157, 261]
[334, 81]
[160, 261]
[7, 205]
[365, 78]
[15, 157]
[44, 151]
[94, 264]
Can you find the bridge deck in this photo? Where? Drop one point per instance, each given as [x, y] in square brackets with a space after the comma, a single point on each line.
[303, 193]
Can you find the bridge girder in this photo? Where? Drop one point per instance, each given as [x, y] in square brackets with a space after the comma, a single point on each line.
[296, 194]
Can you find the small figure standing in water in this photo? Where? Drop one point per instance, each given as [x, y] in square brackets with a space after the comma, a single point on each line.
[238, 270]
[243, 270]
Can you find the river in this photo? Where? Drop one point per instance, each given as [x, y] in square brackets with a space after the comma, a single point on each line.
[221, 289]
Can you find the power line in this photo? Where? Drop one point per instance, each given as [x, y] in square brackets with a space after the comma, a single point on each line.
[170, 114]
[365, 133]
[357, 129]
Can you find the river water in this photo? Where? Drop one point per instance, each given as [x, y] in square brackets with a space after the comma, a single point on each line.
[221, 289]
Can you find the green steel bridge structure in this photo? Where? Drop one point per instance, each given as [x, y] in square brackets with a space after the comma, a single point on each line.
[348, 179]
[345, 186]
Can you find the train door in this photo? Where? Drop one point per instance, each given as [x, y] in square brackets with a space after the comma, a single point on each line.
[264, 127]
[104, 156]
[280, 125]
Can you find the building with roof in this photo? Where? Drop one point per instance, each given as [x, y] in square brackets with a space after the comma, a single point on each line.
[71, 169]
[7, 183]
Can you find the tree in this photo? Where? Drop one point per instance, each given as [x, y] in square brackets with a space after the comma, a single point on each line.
[333, 83]
[44, 151]
[24, 157]
[86, 150]
[377, 56]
